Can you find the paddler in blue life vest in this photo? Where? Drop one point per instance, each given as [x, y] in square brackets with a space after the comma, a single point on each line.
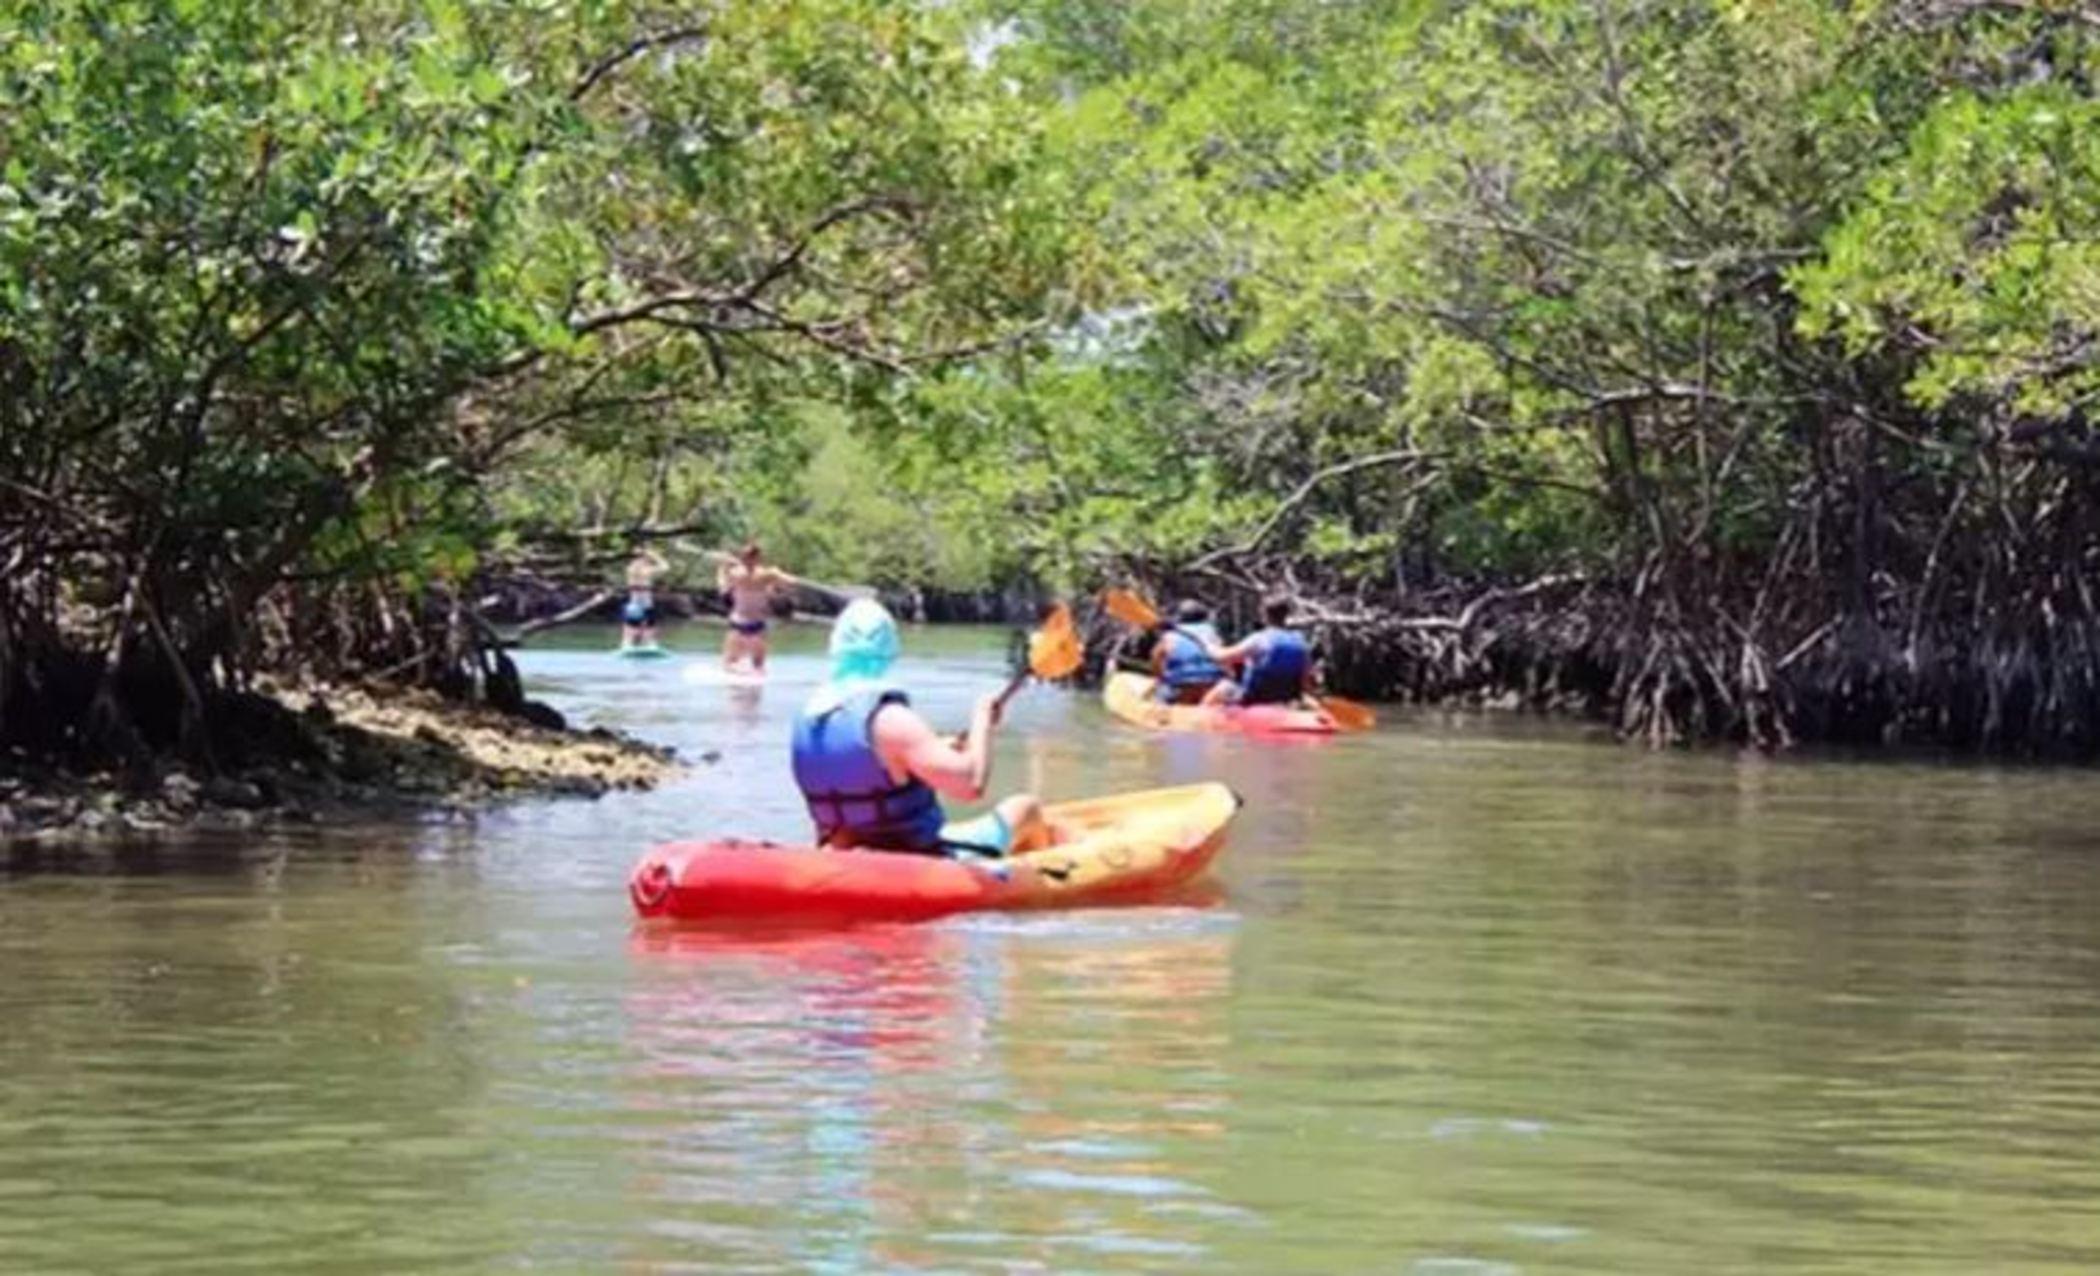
[1274, 662]
[873, 771]
[1181, 659]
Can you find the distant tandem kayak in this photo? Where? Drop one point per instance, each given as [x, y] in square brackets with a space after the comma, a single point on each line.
[1129, 697]
[1127, 848]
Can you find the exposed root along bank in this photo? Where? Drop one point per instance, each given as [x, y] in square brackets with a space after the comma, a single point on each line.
[1665, 668]
[321, 751]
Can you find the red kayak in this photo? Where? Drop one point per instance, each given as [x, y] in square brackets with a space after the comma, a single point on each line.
[1118, 849]
[1129, 697]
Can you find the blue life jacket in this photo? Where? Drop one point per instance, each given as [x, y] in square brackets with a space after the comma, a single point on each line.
[850, 793]
[1188, 664]
[1275, 674]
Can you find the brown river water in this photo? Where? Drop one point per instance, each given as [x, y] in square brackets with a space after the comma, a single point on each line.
[1479, 996]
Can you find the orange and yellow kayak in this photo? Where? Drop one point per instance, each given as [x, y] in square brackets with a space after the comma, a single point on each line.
[1129, 697]
[1130, 847]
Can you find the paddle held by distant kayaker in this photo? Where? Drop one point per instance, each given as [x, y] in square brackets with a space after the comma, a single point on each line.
[1274, 663]
[751, 583]
[1181, 659]
[873, 771]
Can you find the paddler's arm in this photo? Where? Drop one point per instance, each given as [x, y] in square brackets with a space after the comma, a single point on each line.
[908, 744]
[1237, 654]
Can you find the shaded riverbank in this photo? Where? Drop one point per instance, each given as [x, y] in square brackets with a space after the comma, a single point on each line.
[1664, 665]
[331, 753]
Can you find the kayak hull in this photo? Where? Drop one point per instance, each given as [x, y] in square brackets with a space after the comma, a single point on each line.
[1130, 847]
[1129, 697]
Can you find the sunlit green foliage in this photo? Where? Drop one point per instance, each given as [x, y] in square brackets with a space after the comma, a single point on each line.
[1776, 318]
[1577, 260]
[284, 287]
[1978, 252]
[1772, 324]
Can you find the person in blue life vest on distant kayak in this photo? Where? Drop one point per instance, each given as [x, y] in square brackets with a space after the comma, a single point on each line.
[638, 614]
[873, 771]
[1274, 663]
[1181, 659]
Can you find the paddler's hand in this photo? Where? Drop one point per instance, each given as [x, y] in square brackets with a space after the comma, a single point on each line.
[983, 717]
[989, 709]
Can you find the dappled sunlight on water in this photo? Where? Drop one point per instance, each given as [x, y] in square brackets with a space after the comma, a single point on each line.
[1468, 997]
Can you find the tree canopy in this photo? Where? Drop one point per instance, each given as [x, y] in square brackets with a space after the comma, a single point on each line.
[1722, 365]
[287, 291]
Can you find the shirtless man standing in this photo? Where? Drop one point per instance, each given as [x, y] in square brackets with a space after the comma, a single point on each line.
[638, 617]
[750, 583]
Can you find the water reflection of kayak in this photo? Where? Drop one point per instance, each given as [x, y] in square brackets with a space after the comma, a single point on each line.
[1131, 847]
[846, 1081]
[1129, 697]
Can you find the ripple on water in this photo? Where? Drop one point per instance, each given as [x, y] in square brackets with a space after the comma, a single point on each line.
[1550, 1233]
[1062, 1180]
[1446, 1265]
[1474, 1127]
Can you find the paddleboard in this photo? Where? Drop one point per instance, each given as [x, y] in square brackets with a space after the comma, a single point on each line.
[644, 651]
[709, 674]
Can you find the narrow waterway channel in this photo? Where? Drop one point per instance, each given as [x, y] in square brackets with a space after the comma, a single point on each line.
[1480, 996]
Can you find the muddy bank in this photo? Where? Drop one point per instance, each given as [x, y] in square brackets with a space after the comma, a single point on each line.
[322, 753]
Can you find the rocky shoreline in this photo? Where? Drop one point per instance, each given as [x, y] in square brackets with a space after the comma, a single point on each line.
[350, 751]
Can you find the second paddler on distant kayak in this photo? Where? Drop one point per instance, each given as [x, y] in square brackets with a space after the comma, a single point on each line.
[1274, 664]
[1193, 664]
[873, 771]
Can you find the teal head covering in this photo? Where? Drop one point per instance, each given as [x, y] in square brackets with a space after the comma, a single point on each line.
[863, 647]
[863, 641]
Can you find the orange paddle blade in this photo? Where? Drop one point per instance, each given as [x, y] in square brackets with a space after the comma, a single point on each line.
[1348, 713]
[1129, 608]
[1054, 651]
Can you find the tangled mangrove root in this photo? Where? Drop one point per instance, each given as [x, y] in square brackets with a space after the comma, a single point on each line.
[129, 692]
[1664, 671]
